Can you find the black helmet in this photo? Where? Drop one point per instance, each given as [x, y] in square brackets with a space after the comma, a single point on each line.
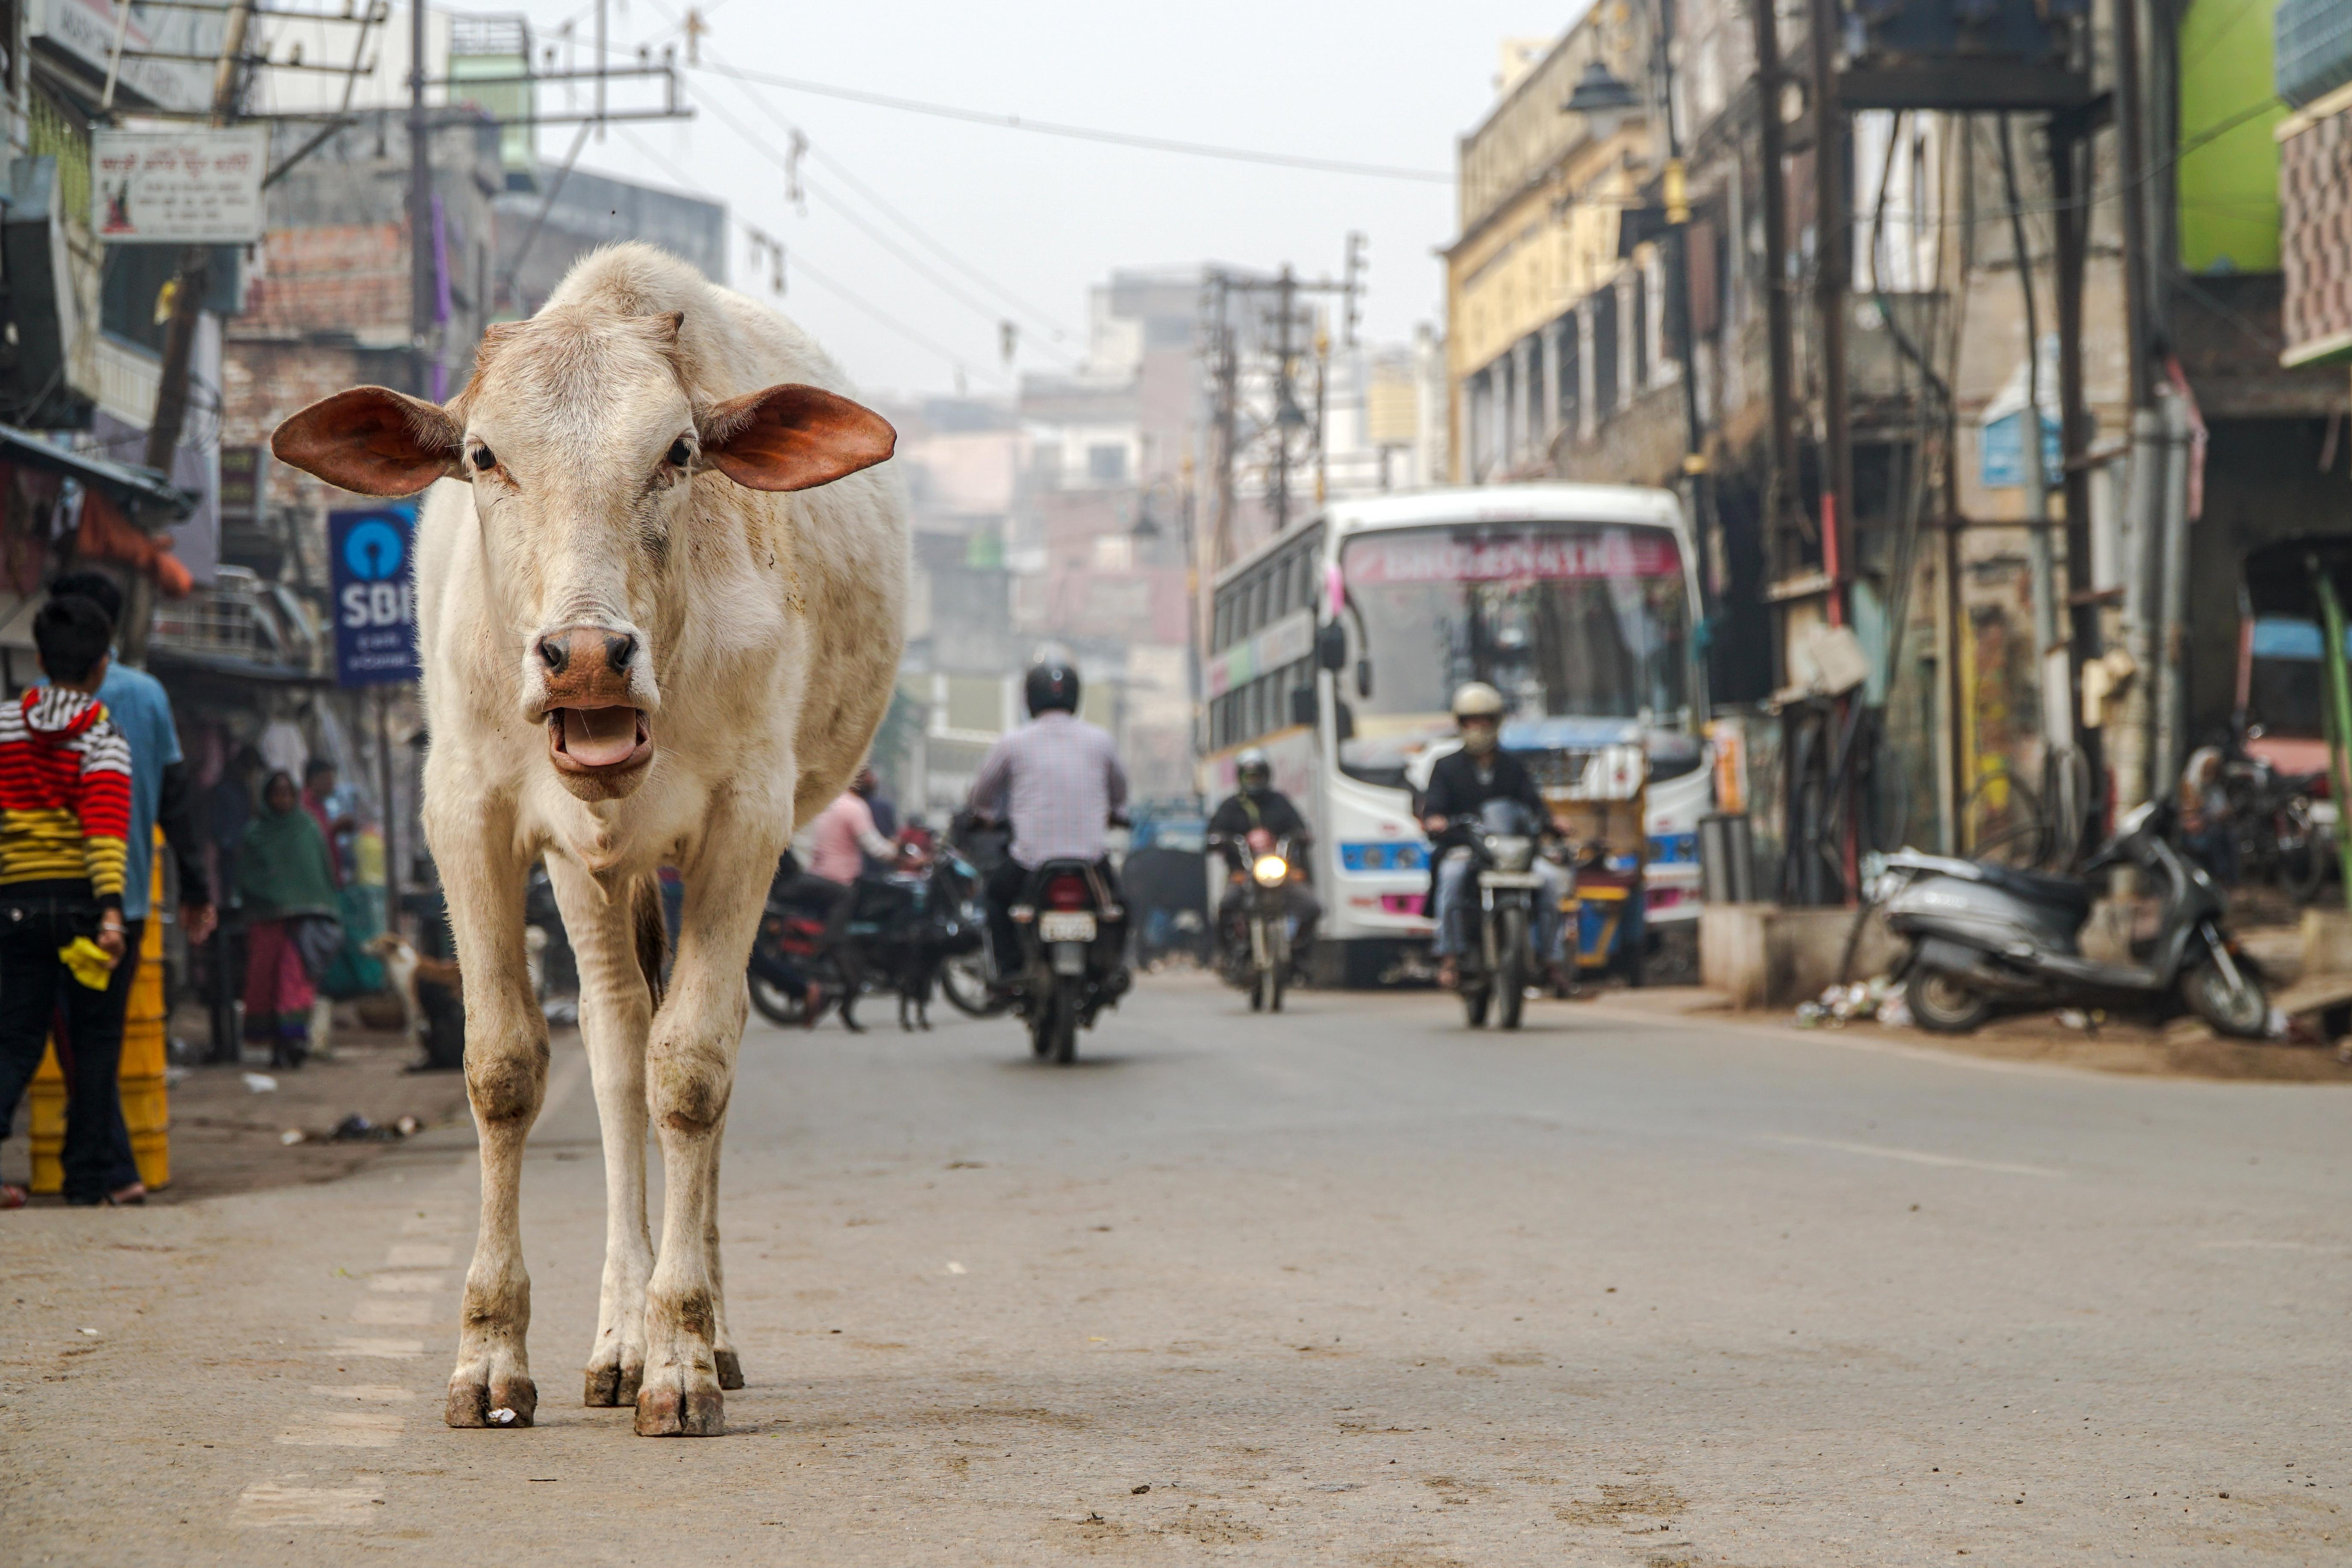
[1052, 684]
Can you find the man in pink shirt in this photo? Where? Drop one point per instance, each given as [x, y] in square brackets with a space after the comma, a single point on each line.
[844, 834]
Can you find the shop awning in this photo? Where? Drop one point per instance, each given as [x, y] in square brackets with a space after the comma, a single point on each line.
[143, 492]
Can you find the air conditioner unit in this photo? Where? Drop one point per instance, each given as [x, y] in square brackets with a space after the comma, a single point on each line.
[46, 347]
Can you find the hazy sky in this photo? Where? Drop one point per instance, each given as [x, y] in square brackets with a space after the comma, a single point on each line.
[1043, 217]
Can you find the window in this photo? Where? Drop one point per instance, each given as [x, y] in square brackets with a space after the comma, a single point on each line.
[1640, 290]
[1282, 587]
[1107, 465]
[1221, 635]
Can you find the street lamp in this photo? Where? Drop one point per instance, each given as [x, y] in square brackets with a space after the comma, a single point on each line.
[1604, 100]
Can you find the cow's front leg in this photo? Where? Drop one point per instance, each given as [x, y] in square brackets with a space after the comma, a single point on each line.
[689, 1073]
[482, 877]
[616, 1011]
[723, 1354]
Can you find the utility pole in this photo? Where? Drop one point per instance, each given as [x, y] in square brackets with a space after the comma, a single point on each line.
[2145, 487]
[1834, 276]
[188, 286]
[1781, 487]
[1286, 396]
[1672, 186]
[1224, 375]
[424, 262]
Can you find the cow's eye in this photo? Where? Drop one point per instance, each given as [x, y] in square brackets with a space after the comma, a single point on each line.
[484, 459]
[680, 454]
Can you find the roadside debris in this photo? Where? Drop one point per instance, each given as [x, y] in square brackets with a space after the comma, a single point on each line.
[503, 1416]
[260, 1083]
[1858, 1002]
[356, 1128]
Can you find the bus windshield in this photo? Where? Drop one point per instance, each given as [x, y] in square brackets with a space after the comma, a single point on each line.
[1567, 620]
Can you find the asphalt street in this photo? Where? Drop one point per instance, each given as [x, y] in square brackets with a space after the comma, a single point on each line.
[1351, 1285]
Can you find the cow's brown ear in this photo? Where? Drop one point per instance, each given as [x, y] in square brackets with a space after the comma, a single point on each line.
[371, 440]
[793, 438]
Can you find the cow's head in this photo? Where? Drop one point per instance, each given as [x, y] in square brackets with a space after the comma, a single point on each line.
[582, 442]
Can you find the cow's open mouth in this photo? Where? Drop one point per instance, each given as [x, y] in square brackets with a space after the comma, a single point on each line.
[599, 740]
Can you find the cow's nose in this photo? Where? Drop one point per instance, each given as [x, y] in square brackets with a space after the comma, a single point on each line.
[619, 648]
[555, 652]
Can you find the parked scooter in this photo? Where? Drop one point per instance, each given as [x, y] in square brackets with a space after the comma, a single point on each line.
[1499, 956]
[1254, 953]
[1981, 935]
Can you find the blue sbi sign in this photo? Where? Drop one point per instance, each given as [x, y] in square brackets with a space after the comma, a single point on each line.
[375, 594]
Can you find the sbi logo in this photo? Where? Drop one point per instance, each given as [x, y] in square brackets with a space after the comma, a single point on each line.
[374, 554]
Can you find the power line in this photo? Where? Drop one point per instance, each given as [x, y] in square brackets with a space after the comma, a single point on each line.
[946, 253]
[991, 313]
[800, 265]
[1085, 133]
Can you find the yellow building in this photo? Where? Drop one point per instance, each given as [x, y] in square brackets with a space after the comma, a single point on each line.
[1538, 340]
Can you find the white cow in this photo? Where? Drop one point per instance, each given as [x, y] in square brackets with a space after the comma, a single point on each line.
[640, 647]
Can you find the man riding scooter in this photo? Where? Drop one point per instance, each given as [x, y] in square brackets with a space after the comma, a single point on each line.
[1057, 781]
[1257, 811]
[1459, 784]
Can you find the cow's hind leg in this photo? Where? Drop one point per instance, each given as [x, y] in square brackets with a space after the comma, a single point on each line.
[616, 1010]
[689, 1074]
[506, 1080]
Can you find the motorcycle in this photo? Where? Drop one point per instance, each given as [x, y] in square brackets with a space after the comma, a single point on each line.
[1982, 934]
[909, 932]
[2285, 830]
[1072, 937]
[1254, 949]
[1493, 972]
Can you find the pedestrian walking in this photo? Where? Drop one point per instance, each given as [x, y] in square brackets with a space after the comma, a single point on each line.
[287, 885]
[65, 818]
[138, 707]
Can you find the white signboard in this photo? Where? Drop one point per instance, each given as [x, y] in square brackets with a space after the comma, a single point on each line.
[85, 29]
[177, 187]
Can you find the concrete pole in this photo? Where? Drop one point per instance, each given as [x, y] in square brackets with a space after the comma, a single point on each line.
[2129, 752]
[2172, 716]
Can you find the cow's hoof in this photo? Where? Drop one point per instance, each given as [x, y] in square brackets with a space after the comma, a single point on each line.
[667, 1409]
[611, 1386]
[512, 1403]
[731, 1368]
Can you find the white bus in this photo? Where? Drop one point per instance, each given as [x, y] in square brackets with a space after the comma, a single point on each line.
[1339, 644]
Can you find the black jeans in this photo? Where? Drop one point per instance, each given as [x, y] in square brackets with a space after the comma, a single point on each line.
[32, 930]
[1004, 887]
[122, 1166]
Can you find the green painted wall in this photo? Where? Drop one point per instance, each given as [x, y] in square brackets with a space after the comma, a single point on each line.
[2229, 186]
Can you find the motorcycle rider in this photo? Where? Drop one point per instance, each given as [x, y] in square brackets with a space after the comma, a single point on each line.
[1256, 805]
[1459, 784]
[1058, 780]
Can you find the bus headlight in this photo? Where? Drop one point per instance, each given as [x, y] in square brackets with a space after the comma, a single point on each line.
[1270, 870]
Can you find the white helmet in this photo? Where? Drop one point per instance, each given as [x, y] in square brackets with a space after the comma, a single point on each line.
[1477, 700]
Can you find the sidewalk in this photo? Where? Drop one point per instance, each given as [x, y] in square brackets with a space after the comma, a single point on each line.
[229, 1124]
[2181, 1047]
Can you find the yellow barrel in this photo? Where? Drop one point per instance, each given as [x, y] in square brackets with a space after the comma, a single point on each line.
[146, 1109]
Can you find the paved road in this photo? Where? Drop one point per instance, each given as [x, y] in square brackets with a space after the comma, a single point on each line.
[1353, 1287]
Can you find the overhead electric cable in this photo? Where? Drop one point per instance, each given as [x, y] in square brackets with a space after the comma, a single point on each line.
[992, 314]
[800, 266]
[945, 252]
[1084, 132]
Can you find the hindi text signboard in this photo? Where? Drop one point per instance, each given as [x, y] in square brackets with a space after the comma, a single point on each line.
[177, 187]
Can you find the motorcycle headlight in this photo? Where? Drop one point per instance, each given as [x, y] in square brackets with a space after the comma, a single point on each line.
[1510, 851]
[1270, 870]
